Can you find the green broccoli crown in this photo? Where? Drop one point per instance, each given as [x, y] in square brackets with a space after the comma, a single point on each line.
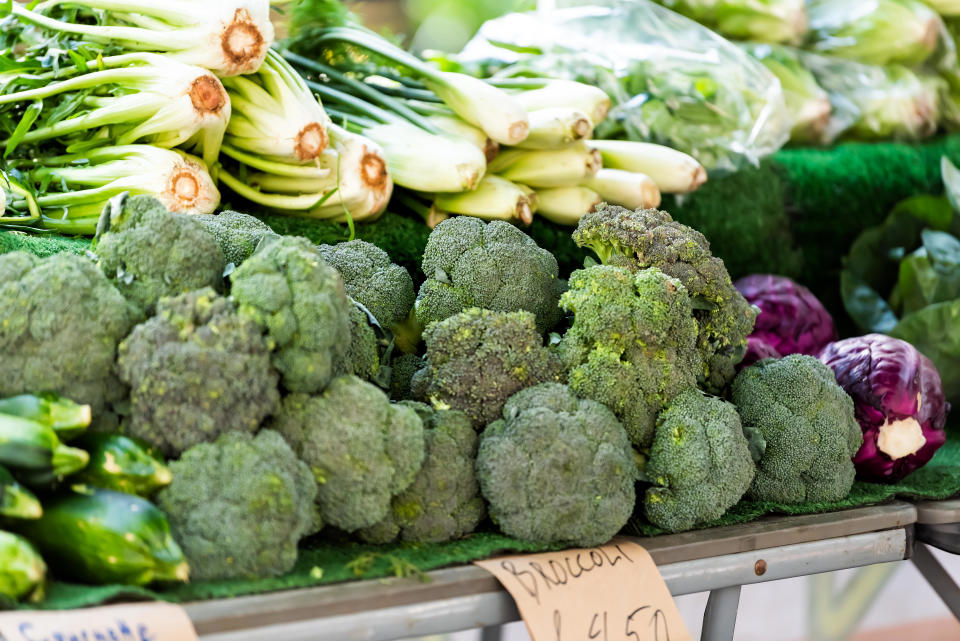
[239, 506]
[60, 323]
[477, 359]
[238, 234]
[289, 289]
[149, 252]
[444, 502]
[362, 358]
[403, 369]
[808, 423]
[196, 370]
[699, 462]
[495, 266]
[557, 468]
[362, 450]
[369, 277]
[651, 238]
[633, 343]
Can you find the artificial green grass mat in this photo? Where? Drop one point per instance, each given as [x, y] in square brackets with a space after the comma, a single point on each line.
[324, 563]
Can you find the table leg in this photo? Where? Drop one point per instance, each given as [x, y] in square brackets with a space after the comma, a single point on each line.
[720, 617]
[492, 633]
[937, 577]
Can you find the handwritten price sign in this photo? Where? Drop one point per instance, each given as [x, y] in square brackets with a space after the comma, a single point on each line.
[139, 622]
[609, 593]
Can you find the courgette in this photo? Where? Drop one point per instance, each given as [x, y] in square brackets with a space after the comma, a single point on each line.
[16, 501]
[34, 448]
[22, 570]
[121, 463]
[102, 537]
[68, 419]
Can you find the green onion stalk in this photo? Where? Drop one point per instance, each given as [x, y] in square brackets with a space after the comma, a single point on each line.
[348, 181]
[495, 198]
[551, 168]
[230, 37]
[275, 114]
[67, 193]
[132, 98]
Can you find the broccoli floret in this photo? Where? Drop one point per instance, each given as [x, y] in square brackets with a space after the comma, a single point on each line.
[60, 323]
[362, 358]
[289, 289]
[362, 450]
[477, 359]
[237, 234]
[196, 370]
[651, 238]
[632, 345]
[403, 369]
[808, 424]
[444, 501]
[557, 468]
[239, 506]
[385, 289]
[699, 462]
[149, 252]
[494, 266]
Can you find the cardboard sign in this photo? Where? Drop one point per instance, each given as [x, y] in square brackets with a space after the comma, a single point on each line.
[135, 622]
[609, 593]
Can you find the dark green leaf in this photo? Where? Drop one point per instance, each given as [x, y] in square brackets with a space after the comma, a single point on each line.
[864, 305]
[935, 331]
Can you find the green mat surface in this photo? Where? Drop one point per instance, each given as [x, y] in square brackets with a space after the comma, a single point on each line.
[323, 562]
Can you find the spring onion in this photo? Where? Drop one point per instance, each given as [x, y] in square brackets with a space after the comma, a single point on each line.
[592, 101]
[552, 168]
[495, 198]
[454, 126]
[673, 171]
[230, 37]
[625, 188]
[140, 97]
[72, 190]
[566, 205]
[556, 128]
[275, 114]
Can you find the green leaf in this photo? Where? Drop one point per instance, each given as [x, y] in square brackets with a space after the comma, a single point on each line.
[864, 305]
[935, 331]
[943, 248]
[951, 181]
[6, 8]
[30, 115]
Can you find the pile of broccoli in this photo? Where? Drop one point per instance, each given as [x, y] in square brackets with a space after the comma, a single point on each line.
[305, 390]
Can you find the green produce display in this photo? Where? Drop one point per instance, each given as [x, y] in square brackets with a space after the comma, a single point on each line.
[16, 501]
[68, 419]
[34, 448]
[121, 464]
[777, 21]
[103, 537]
[22, 571]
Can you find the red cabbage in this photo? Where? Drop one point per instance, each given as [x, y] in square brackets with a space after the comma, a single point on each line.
[791, 320]
[899, 403]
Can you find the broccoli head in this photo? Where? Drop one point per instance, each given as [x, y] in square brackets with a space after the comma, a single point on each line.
[699, 463]
[362, 357]
[149, 252]
[632, 345]
[403, 368]
[196, 370]
[362, 450]
[492, 265]
[239, 506]
[444, 501]
[651, 238]
[60, 323]
[557, 468]
[237, 234]
[289, 289]
[808, 424]
[369, 278]
[477, 359]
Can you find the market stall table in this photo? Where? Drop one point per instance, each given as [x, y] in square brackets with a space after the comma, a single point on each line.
[938, 525]
[719, 560]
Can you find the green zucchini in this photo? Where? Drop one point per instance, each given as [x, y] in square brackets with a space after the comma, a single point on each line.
[121, 463]
[22, 570]
[34, 448]
[16, 501]
[102, 537]
[68, 419]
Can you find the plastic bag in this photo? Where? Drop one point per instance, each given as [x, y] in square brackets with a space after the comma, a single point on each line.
[874, 103]
[773, 21]
[672, 81]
